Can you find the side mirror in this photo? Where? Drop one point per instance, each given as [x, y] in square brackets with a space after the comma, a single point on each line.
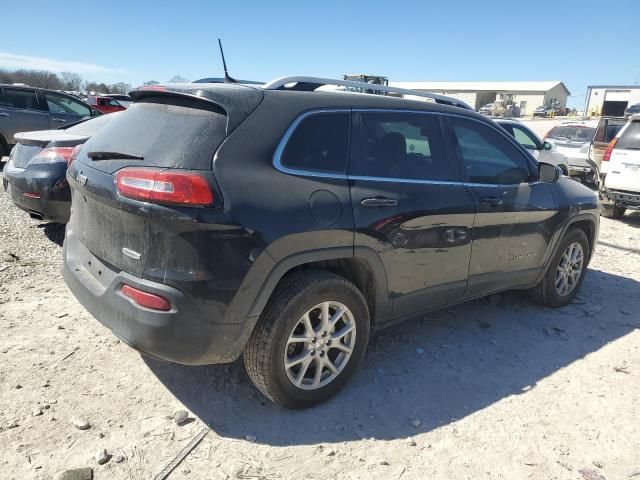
[95, 113]
[548, 173]
[546, 145]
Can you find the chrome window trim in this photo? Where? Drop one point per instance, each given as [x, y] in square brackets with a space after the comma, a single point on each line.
[277, 160]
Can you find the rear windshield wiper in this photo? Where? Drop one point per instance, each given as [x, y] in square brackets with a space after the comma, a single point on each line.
[113, 156]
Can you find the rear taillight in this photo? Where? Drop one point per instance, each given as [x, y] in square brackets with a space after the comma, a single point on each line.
[53, 155]
[74, 154]
[164, 186]
[607, 153]
[146, 299]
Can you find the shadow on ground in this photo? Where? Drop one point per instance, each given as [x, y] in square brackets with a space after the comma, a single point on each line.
[53, 231]
[632, 218]
[474, 355]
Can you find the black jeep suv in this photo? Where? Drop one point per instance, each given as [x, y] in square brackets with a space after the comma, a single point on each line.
[287, 224]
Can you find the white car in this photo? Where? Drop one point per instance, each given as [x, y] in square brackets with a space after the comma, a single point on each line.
[573, 140]
[541, 150]
[620, 170]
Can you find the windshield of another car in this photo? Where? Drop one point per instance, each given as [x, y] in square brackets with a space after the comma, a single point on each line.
[576, 133]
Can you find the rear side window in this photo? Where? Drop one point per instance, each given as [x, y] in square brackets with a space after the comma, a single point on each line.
[401, 145]
[23, 99]
[319, 143]
[488, 157]
[630, 138]
[181, 135]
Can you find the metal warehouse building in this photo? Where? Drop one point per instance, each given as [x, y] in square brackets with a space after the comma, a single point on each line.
[610, 100]
[527, 95]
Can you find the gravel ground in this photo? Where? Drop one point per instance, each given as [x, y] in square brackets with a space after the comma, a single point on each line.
[497, 388]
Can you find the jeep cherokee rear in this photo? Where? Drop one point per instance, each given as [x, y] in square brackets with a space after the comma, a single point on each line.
[211, 221]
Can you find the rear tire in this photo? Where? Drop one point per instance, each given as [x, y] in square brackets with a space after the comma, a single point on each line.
[291, 331]
[612, 211]
[562, 280]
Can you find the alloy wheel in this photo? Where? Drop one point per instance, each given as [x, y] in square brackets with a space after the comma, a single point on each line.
[320, 345]
[569, 269]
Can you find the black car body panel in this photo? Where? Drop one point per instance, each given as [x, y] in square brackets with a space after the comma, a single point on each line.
[412, 245]
[41, 189]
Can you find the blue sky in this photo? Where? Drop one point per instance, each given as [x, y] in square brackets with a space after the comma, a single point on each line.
[578, 42]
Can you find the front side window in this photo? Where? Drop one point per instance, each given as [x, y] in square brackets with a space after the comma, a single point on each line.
[525, 138]
[401, 145]
[488, 157]
[62, 105]
[320, 143]
[23, 99]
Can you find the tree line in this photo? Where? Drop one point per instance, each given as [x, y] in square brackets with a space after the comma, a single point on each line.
[69, 81]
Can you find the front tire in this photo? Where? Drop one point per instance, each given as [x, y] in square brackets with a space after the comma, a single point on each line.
[566, 272]
[309, 340]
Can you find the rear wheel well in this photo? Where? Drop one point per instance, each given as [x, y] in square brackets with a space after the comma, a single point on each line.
[354, 269]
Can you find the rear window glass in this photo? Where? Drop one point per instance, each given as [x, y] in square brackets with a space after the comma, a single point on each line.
[320, 143]
[89, 127]
[630, 139]
[25, 99]
[176, 136]
[573, 133]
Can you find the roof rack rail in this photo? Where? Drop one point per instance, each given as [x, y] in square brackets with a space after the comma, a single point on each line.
[311, 83]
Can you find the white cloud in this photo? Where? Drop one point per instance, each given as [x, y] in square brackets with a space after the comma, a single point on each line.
[12, 62]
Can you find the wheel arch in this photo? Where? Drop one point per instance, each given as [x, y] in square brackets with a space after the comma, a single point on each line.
[361, 266]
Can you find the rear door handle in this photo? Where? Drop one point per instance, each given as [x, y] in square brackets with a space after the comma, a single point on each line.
[379, 202]
[58, 119]
[2, 114]
[491, 201]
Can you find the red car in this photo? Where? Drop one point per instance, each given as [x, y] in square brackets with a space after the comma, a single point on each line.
[105, 104]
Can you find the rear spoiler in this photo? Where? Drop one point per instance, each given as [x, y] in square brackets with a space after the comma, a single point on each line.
[42, 138]
[236, 101]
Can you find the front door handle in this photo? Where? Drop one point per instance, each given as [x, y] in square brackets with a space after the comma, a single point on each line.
[58, 119]
[3, 114]
[456, 235]
[379, 202]
[491, 201]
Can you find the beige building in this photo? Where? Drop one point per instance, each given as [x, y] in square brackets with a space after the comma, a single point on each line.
[526, 95]
[610, 100]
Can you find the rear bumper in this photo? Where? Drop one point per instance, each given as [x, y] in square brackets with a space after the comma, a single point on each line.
[47, 192]
[181, 335]
[626, 199]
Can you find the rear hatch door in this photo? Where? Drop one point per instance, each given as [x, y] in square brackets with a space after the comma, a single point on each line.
[607, 130]
[161, 131]
[624, 167]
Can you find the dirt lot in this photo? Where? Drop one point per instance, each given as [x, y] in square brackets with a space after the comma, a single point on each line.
[496, 389]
